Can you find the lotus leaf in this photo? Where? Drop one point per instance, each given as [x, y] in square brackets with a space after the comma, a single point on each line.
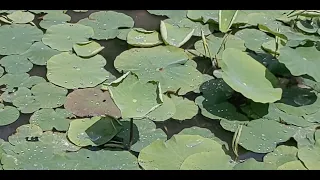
[62, 68]
[272, 47]
[262, 135]
[17, 38]
[142, 38]
[165, 64]
[306, 27]
[95, 131]
[20, 80]
[16, 64]
[165, 111]
[123, 34]
[39, 53]
[145, 133]
[204, 15]
[8, 115]
[91, 102]
[174, 35]
[27, 104]
[25, 133]
[88, 49]
[9, 96]
[226, 18]
[185, 109]
[106, 24]
[292, 165]
[134, 98]
[301, 61]
[49, 95]
[281, 155]
[253, 38]
[21, 17]
[169, 13]
[1, 71]
[252, 164]
[54, 19]
[58, 141]
[62, 36]
[175, 150]
[47, 119]
[310, 156]
[235, 67]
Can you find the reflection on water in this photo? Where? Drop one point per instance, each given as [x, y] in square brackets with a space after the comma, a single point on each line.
[112, 49]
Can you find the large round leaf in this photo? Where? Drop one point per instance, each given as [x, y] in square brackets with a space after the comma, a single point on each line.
[238, 68]
[281, 155]
[25, 133]
[253, 38]
[165, 64]
[39, 53]
[47, 119]
[62, 36]
[20, 80]
[165, 111]
[252, 164]
[21, 17]
[70, 71]
[17, 38]
[175, 35]
[54, 19]
[95, 131]
[292, 165]
[204, 15]
[87, 49]
[143, 38]
[58, 142]
[310, 156]
[91, 102]
[16, 64]
[8, 114]
[171, 154]
[134, 98]
[185, 109]
[26, 104]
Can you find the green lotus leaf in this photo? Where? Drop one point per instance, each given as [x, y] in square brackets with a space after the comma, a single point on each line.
[174, 35]
[47, 119]
[1, 71]
[31, 81]
[87, 50]
[20, 80]
[39, 53]
[58, 141]
[143, 38]
[91, 102]
[184, 145]
[185, 109]
[301, 61]
[165, 64]
[62, 36]
[281, 155]
[9, 96]
[252, 164]
[216, 47]
[54, 19]
[169, 13]
[276, 28]
[21, 17]
[95, 131]
[89, 72]
[292, 165]
[253, 38]
[16, 64]
[49, 95]
[27, 104]
[262, 135]
[206, 77]
[310, 156]
[300, 37]
[226, 18]
[134, 98]
[305, 136]
[85, 159]
[235, 74]
[145, 132]
[25, 133]
[204, 15]
[106, 24]
[306, 27]
[165, 111]
[187, 23]
[309, 82]
[272, 47]
[207, 161]
[17, 38]
[8, 115]
[256, 18]
[123, 34]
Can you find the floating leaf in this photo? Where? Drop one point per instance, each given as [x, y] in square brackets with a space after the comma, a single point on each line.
[88, 49]
[253, 38]
[49, 95]
[169, 13]
[47, 119]
[292, 165]
[184, 145]
[20, 80]
[95, 131]
[58, 141]
[26, 104]
[301, 61]
[62, 36]
[39, 53]
[185, 109]
[17, 38]
[134, 98]
[21, 17]
[25, 133]
[62, 68]
[204, 15]
[174, 35]
[8, 115]
[145, 133]
[262, 136]
[226, 18]
[54, 19]
[252, 164]
[143, 38]
[238, 68]
[281, 155]
[165, 64]
[91, 102]
[310, 156]
[123, 34]
[16, 64]
[106, 24]
[1, 71]
[165, 111]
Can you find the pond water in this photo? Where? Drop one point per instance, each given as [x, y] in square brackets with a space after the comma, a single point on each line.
[112, 49]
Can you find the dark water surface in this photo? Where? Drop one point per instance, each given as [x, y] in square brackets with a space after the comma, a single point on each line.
[112, 49]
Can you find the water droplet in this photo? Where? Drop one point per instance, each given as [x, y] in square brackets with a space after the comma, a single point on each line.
[134, 100]
[13, 37]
